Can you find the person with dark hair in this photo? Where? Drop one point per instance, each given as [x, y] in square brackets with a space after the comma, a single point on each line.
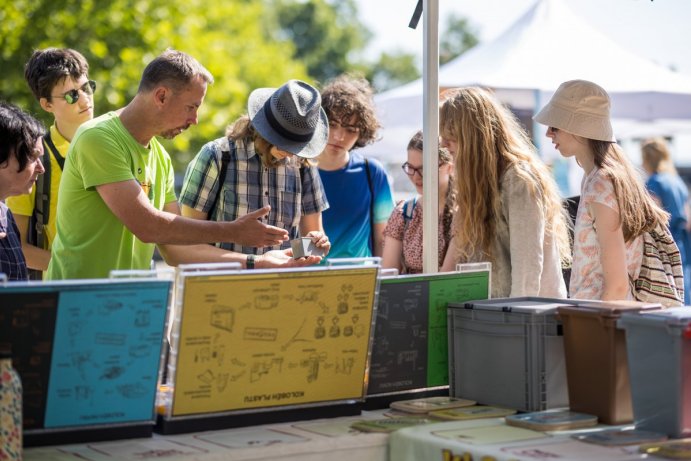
[21, 149]
[264, 159]
[116, 198]
[403, 233]
[358, 190]
[59, 80]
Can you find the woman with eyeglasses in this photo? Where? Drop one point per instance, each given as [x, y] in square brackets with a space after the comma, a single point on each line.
[59, 79]
[509, 209]
[403, 232]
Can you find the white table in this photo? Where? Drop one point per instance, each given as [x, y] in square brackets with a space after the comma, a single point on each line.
[300, 441]
[492, 440]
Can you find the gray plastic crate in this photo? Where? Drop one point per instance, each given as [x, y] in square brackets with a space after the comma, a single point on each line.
[508, 352]
[659, 351]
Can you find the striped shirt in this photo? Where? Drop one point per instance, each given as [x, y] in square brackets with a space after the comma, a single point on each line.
[291, 190]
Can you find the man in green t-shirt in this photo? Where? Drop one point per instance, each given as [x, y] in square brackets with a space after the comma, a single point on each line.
[116, 198]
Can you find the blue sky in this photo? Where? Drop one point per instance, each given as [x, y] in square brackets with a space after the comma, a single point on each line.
[657, 29]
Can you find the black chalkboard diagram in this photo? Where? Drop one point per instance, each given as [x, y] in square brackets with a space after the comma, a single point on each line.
[410, 348]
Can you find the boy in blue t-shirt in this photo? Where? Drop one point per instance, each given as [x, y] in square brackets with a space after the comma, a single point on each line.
[357, 188]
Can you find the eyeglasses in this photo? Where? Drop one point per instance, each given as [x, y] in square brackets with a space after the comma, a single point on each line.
[410, 170]
[72, 96]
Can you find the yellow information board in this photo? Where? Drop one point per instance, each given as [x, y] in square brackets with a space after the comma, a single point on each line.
[262, 339]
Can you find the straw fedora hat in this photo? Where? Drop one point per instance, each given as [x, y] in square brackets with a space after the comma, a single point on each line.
[581, 108]
[290, 117]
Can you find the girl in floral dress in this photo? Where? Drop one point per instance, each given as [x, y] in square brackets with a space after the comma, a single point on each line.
[614, 209]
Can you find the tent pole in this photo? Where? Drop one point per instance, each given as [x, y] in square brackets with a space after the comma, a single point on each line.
[430, 126]
[537, 128]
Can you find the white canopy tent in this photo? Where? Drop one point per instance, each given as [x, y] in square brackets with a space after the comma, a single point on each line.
[548, 45]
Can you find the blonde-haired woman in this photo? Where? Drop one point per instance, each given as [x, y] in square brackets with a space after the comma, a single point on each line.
[615, 209]
[671, 192]
[509, 209]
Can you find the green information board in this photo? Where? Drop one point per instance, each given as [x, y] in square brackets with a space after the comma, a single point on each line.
[410, 349]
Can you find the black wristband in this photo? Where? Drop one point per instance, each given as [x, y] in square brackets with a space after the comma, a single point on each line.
[249, 264]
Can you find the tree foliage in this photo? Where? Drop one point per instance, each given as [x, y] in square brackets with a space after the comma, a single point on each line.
[120, 37]
[392, 70]
[245, 44]
[458, 37]
[327, 35]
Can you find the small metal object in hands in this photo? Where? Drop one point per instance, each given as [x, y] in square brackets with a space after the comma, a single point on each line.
[303, 246]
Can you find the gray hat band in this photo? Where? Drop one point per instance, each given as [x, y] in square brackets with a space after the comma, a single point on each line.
[276, 126]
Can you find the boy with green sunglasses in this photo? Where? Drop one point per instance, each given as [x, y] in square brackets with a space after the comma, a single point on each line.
[59, 79]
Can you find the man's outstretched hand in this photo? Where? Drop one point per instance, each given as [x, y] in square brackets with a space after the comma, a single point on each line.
[249, 231]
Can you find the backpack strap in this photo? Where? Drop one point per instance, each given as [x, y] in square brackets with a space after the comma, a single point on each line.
[54, 150]
[408, 209]
[41, 214]
[225, 160]
[36, 234]
[371, 203]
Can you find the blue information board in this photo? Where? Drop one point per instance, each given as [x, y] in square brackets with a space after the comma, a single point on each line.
[103, 342]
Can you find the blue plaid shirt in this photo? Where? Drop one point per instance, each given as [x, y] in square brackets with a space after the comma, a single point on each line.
[291, 190]
[12, 262]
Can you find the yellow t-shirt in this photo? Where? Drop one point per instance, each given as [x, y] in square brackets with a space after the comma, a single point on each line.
[24, 204]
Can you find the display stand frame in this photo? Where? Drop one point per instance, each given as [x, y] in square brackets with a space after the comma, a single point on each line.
[170, 423]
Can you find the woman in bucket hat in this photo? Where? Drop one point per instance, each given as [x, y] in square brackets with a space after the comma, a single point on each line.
[509, 210]
[614, 209]
[264, 159]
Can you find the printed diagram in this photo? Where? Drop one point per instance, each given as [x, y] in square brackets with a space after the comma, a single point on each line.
[113, 372]
[308, 297]
[342, 307]
[312, 365]
[269, 341]
[83, 393]
[261, 369]
[295, 338]
[110, 307]
[216, 352]
[133, 390]
[142, 318]
[79, 360]
[223, 317]
[265, 301]
[340, 366]
[122, 335]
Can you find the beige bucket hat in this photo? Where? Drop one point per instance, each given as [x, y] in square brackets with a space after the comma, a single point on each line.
[581, 108]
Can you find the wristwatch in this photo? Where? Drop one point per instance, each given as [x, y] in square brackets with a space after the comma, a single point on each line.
[250, 262]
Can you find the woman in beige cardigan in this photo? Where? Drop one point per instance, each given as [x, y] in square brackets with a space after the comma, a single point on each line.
[509, 209]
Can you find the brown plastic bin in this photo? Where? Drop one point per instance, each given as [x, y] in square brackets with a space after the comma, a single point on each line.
[597, 370]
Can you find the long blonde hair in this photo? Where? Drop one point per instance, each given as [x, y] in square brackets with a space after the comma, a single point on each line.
[638, 211]
[490, 141]
[656, 156]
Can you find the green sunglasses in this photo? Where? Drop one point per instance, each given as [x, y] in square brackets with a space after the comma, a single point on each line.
[72, 96]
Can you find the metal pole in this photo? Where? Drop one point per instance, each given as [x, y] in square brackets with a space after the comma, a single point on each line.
[430, 126]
